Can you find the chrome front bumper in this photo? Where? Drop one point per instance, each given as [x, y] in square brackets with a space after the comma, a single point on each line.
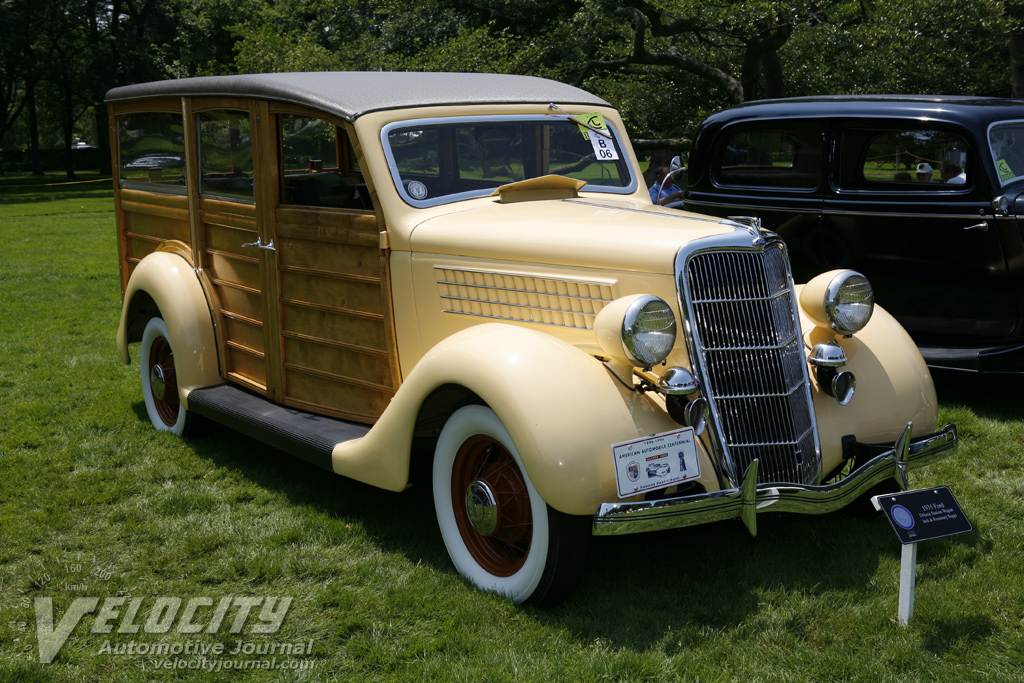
[751, 498]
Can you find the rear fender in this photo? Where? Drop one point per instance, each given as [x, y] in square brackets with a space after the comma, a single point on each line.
[165, 284]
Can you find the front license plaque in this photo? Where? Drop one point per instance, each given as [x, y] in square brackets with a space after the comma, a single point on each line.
[655, 462]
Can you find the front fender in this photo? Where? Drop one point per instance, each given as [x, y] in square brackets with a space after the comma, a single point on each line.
[894, 387]
[562, 407]
[168, 281]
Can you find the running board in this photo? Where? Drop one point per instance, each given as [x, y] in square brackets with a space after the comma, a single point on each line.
[305, 435]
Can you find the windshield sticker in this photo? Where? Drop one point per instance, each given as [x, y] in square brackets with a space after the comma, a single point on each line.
[589, 122]
[417, 190]
[1005, 172]
[604, 149]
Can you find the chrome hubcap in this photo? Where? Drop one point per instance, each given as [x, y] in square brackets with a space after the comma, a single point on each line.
[481, 507]
[157, 382]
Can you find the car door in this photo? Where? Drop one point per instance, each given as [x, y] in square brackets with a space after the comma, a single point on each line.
[232, 244]
[773, 170]
[932, 249]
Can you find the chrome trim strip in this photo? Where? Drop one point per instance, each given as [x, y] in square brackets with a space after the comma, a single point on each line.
[966, 217]
[520, 320]
[523, 276]
[746, 500]
[511, 305]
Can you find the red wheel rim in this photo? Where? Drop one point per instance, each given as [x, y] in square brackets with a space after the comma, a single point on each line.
[482, 460]
[161, 365]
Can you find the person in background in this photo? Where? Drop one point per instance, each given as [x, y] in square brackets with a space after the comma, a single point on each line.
[952, 173]
[924, 172]
[663, 195]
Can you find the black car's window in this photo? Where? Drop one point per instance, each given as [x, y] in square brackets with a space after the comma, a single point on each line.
[1006, 142]
[151, 151]
[778, 156]
[902, 158]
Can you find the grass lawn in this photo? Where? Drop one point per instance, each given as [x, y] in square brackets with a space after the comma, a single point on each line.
[94, 503]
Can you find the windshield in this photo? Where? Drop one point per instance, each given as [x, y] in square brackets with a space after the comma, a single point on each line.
[1006, 141]
[443, 160]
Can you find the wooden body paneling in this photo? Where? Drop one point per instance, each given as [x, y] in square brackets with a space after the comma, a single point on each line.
[334, 346]
[304, 320]
[234, 271]
[149, 219]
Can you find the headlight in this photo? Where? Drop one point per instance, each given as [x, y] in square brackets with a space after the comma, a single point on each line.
[842, 300]
[640, 330]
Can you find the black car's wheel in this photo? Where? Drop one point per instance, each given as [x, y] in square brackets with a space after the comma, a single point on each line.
[499, 532]
[160, 380]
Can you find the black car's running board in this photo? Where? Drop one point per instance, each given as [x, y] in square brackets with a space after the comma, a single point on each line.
[1001, 359]
[305, 435]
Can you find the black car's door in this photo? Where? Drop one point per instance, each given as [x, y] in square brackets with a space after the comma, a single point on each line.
[932, 248]
[773, 170]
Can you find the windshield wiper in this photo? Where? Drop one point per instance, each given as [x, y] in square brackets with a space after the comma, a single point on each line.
[578, 118]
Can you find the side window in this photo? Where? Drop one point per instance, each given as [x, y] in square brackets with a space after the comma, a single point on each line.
[318, 165]
[151, 152]
[225, 155]
[1006, 144]
[776, 156]
[925, 159]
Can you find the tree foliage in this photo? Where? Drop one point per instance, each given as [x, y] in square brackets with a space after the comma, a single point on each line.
[665, 63]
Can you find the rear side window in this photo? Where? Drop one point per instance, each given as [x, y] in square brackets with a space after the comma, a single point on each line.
[771, 156]
[906, 159]
[225, 155]
[151, 152]
[318, 165]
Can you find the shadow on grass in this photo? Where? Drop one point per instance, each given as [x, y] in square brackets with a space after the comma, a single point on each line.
[26, 189]
[714, 577]
[998, 397]
[398, 522]
[953, 633]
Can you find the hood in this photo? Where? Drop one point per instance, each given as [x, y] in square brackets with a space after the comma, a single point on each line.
[595, 233]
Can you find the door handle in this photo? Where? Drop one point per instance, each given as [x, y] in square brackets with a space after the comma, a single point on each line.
[983, 226]
[269, 246]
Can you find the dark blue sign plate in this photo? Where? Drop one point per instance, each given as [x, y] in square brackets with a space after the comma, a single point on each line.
[924, 514]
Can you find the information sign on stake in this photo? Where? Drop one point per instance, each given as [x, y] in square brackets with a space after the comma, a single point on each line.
[916, 516]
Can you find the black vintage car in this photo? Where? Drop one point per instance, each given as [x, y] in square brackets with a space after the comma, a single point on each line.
[922, 194]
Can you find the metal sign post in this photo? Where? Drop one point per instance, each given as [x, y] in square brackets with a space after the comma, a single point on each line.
[917, 516]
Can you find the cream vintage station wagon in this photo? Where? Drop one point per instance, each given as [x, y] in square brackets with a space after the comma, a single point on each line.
[341, 263]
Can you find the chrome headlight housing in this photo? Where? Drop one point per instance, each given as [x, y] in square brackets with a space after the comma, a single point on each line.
[842, 300]
[640, 330]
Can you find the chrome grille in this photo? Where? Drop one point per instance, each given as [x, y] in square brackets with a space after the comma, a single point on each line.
[749, 351]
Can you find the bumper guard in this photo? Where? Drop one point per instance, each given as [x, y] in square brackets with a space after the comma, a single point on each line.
[751, 498]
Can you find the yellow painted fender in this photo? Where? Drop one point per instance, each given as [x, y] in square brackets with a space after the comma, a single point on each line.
[170, 281]
[563, 409]
[894, 386]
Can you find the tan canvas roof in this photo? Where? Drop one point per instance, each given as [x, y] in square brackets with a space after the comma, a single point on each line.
[350, 94]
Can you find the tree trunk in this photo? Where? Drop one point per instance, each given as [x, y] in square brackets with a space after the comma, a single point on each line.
[33, 127]
[69, 131]
[1017, 63]
[774, 83]
[103, 138]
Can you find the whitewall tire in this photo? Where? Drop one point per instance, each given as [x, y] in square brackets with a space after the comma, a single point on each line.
[160, 381]
[499, 532]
